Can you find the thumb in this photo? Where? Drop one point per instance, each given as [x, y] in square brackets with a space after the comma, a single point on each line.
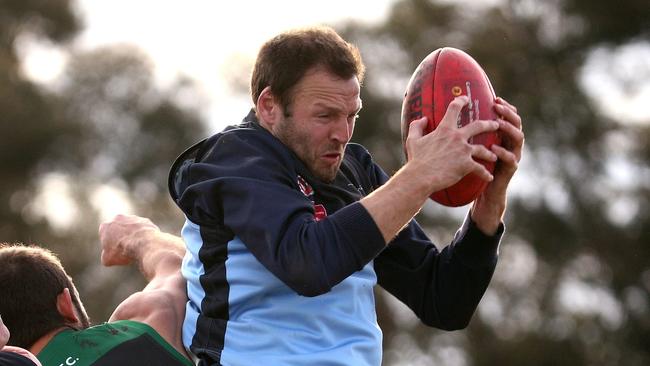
[104, 258]
[416, 131]
[417, 128]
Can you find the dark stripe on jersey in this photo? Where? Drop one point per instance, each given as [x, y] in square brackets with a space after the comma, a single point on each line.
[211, 325]
[143, 350]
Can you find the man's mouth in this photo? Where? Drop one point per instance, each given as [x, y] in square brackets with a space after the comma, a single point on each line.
[332, 157]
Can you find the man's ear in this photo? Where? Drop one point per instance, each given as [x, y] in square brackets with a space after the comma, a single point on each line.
[269, 111]
[66, 308]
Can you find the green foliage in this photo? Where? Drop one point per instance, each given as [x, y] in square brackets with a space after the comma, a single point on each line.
[582, 295]
[573, 282]
[106, 126]
[28, 114]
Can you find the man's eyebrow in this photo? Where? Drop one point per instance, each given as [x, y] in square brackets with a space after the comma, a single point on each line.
[333, 108]
[326, 106]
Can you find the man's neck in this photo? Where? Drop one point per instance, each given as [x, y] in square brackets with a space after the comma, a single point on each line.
[38, 346]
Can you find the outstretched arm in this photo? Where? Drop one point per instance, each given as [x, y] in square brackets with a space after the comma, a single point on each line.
[131, 239]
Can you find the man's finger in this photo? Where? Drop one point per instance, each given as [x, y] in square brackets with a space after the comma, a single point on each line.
[516, 135]
[453, 111]
[506, 103]
[506, 156]
[509, 113]
[478, 127]
[482, 172]
[513, 138]
[482, 152]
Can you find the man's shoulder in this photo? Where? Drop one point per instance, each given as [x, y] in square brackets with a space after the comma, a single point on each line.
[98, 342]
[244, 150]
[105, 332]
[235, 142]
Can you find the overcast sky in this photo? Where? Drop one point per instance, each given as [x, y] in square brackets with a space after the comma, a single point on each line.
[210, 41]
[205, 40]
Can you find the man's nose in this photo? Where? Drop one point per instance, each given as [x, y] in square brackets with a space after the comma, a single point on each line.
[342, 131]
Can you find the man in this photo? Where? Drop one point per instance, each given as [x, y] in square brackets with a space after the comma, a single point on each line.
[42, 307]
[14, 356]
[289, 226]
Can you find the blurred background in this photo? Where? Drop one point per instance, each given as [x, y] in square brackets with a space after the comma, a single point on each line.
[97, 98]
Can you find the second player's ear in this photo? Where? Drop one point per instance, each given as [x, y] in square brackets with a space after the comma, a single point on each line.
[268, 109]
[65, 307]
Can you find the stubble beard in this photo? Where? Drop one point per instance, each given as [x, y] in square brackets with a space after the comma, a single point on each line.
[298, 143]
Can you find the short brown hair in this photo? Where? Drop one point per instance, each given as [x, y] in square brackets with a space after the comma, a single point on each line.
[283, 60]
[31, 278]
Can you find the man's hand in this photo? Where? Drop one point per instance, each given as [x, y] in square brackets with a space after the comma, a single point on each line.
[122, 236]
[435, 161]
[445, 156]
[161, 304]
[488, 209]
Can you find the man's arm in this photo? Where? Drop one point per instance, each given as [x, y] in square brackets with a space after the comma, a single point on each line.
[161, 304]
[443, 288]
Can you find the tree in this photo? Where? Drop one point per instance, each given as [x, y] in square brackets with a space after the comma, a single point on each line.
[28, 116]
[572, 283]
[105, 133]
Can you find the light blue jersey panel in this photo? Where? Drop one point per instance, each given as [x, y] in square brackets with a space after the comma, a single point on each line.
[192, 269]
[272, 325]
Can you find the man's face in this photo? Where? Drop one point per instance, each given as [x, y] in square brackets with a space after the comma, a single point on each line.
[320, 121]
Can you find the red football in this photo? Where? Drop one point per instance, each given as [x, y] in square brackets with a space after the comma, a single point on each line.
[443, 75]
